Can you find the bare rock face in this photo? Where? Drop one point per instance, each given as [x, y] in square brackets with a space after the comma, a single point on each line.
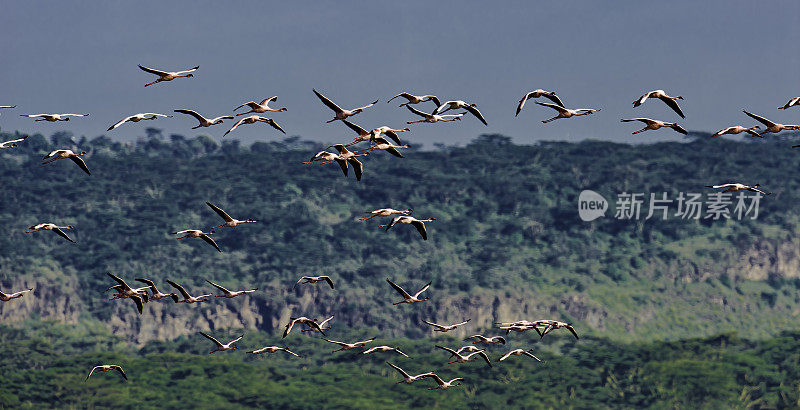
[47, 301]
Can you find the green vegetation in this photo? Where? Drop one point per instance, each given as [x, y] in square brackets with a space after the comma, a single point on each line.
[45, 365]
[507, 239]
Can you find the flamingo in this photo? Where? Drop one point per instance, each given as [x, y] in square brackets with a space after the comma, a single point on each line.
[363, 135]
[325, 157]
[443, 384]
[487, 340]
[204, 122]
[385, 212]
[461, 358]
[655, 124]
[738, 129]
[144, 116]
[197, 233]
[661, 95]
[566, 112]
[304, 320]
[314, 279]
[390, 132]
[64, 154]
[12, 143]
[410, 220]
[261, 107]
[458, 104]
[53, 117]
[106, 368]
[155, 293]
[350, 158]
[340, 113]
[229, 222]
[51, 227]
[380, 144]
[5, 297]
[536, 94]
[222, 347]
[273, 349]
[349, 346]
[771, 126]
[519, 352]
[187, 298]
[407, 378]
[254, 119]
[321, 326]
[168, 75]
[382, 349]
[793, 102]
[415, 99]
[554, 324]
[407, 298]
[8, 106]
[739, 187]
[445, 328]
[230, 294]
[431, 118]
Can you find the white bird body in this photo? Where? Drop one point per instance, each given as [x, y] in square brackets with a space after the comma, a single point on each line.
[536, 94]
[380, 144]
[566, 112]
[458, 104]
[51, 227]
[144, 116]
[385, 212]
[314, 279]
[347, 157]
[651, 124]
[204, 122]
[462, 358]
[407, 378]
[408, 298]
[12, 143]
[518, 352]
[384, 349]
[340, 113]
[187, 298]
[487, 340]
[5, 297]
[661, 95]
[415, 99]
[107, 368]
[64, 154]
[321, 326]
[221, 347]
[432, 118]
[254, 119]
[737, 129]
[155, 294]
[229, 221]
[349, 346]
[551, 325]
[273, 349]
[304, 320]
[445, 328]
[733, 187]
[230, 294]
[410, 220]
[771, 126]
[443, 384]
[53, 117]
[197, 233]
[261, 107]
[792, 103]
[167, 75]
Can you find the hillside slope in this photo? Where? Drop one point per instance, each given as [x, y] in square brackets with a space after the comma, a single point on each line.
[507, 243]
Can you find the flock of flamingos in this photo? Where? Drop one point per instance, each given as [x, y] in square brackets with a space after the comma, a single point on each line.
[377, 139]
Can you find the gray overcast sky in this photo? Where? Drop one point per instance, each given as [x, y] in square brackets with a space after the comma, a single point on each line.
[722, 56]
